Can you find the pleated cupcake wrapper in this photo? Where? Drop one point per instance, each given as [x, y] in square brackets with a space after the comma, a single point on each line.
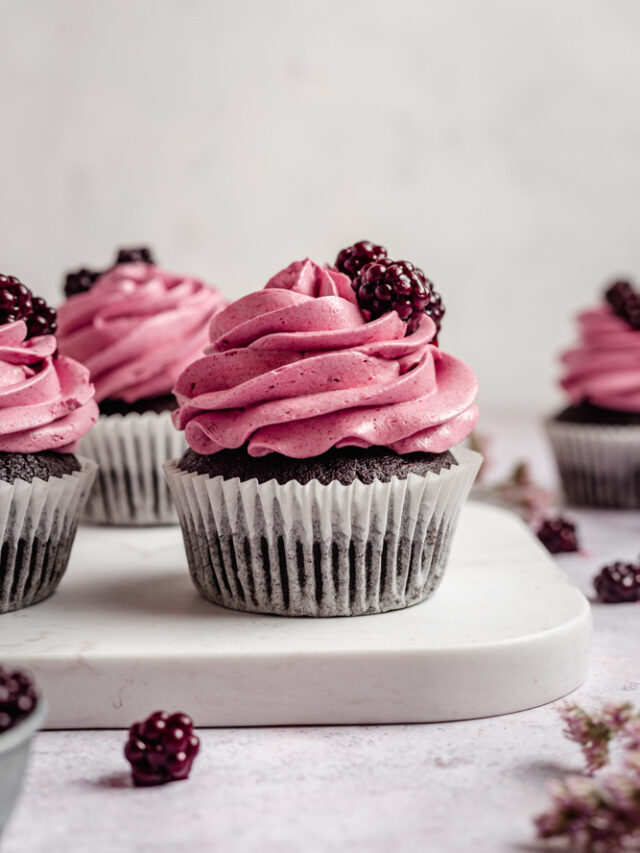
[320, 550]
[599, 466]
[38, 523]
[131, 449]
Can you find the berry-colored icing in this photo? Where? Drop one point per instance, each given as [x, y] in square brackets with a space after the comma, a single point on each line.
[296, 369]
[137, 329]
[46, 403]
[604, 367]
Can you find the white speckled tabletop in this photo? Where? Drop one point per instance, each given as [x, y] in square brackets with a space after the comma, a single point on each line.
[447, 788]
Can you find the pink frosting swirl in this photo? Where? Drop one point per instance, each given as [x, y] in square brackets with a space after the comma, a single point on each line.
[137, 329]
[46, 403]
[604, 367]
[295, 369]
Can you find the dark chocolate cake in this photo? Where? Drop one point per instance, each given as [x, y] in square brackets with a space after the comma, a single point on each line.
[165, 403]
[29, 466]
[344, 465]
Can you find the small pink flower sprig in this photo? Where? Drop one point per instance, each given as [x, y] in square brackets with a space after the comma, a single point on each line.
[594, 732]
[598, 814]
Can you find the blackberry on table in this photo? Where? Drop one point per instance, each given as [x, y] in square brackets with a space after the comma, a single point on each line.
[161, 749]
[558, 535]
[618, 583]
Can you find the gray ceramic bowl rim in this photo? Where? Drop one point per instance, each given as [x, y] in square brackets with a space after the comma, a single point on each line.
[20, 734]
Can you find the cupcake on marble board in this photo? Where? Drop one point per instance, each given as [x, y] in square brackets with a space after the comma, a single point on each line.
[324, 475]
[46, 406]
[596, 439]
[136, 327]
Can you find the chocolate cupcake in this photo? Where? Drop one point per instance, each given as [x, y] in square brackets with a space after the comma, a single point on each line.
[323, 477]
[135, 327]
[596, 439]
[46, 406]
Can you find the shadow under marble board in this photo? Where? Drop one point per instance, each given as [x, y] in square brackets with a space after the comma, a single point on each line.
[127, 634]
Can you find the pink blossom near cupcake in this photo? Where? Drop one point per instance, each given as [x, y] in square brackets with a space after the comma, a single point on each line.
[324, 475]
[46, 407]
[135, 327]
[596, 439]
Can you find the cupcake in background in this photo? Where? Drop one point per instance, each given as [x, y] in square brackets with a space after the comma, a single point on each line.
[135, 327]
[596, 439]
[324, 476]
[46, 406]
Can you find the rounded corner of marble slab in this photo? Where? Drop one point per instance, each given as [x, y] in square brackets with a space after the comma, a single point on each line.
[413, 665]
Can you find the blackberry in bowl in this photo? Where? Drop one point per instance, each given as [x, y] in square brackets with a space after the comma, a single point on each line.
[22, 713]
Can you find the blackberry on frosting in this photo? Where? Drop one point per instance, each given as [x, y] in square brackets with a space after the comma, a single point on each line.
[382, 284]
[83, 279]
[17, 302]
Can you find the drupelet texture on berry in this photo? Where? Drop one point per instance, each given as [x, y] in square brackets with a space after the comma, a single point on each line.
[161, 749]
[625, 301]
[352, 259]
[18, 698]
[399, 286]
[18, 303]
[618, 583]
[558, 535]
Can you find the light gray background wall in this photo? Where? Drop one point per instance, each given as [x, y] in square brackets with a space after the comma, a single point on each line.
[494, 142]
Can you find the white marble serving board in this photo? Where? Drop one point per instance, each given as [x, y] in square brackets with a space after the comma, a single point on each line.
[127, 634]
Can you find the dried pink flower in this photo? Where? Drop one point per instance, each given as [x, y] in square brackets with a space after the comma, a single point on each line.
[519, 493]
[631, 734]
[600, 815]
[593, 732]
[592, 815]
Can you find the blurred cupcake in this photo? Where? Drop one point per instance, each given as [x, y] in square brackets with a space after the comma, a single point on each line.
[46, 406]
[135, 327]
[596, 440]
[323, 477]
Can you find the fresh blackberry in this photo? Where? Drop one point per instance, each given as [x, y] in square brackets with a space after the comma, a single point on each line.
[435, 309]
[43, 320]
[625, 301]
[558, 535]
[161, 749]
[80, 281]
[618, 583]
[18, 698]
[135, 255]
[18, 303]
[352, 259]
[399, 286]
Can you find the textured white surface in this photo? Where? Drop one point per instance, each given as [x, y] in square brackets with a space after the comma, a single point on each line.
[447, 787]
[495, 143]
[127, 632]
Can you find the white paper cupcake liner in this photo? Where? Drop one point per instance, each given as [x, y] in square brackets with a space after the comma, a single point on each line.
[320, 550]
[599, 466]
[38, 523]
[131, 449]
